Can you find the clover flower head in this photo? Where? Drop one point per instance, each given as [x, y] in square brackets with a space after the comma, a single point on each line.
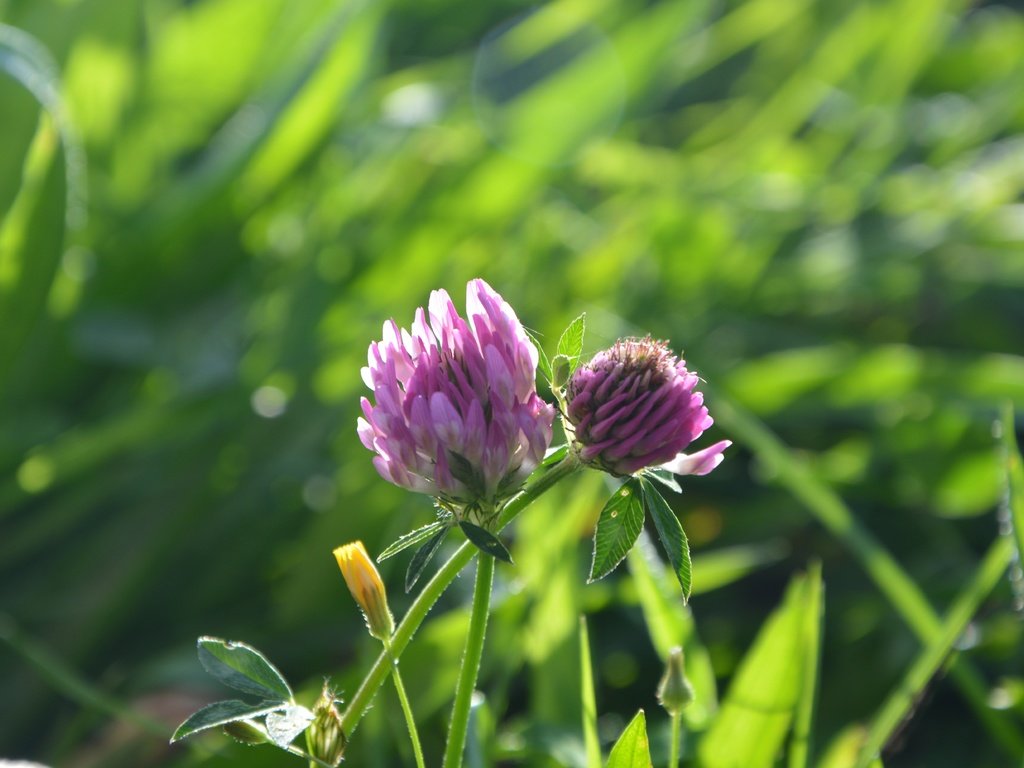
[456, 412]
[634, 405]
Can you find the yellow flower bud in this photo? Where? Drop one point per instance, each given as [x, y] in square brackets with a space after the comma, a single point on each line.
[675, 691]
[366, 587]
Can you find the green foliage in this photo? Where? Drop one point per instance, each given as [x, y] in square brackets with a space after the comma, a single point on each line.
[818, 202]
[485, 541]
[569, 350]
[243, 668]
[620, 523]
[222, 713]
[673, 539]
[411, 539]
[632, 750]
[423, 556]
[763, 697]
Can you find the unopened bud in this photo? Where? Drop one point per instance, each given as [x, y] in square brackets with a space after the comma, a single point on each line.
[245, 732]
[674, 690]
[326, 737]
[366, 587]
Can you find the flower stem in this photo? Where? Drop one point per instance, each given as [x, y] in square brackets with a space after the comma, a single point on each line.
[673, 750]
[470, 662]
[362, 698]
[410, 722]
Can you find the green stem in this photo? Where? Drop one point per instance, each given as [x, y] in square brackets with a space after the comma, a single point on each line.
[410, 721]
[470, 662]
[362, 698]
[673, 749]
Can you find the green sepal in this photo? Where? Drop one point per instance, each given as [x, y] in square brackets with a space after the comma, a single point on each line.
[543, 364]
[412, 538]
[243, 668]
[485, 541]
[617, 529]
[223, 713]
[422, 557]
[632, 750]
[664, 477]
[673, 538]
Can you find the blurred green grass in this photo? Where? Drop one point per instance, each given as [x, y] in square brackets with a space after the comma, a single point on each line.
[820, 203]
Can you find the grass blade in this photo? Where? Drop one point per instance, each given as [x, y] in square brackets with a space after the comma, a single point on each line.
[761, 703]
[801, 747]
[900, 704]
[892, 581]
[588, 699]
[1014, 499]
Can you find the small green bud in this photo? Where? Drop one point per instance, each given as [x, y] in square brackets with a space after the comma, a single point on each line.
[245, 732]
[326, 738]
[674, 690]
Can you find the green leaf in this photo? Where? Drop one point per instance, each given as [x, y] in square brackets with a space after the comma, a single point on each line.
[800, 744]
[632, 749]
[664, 477]
[543, 364]
[411, 538]
[222, 713]
[670, 531]
[755, 716]
[620, 523]
[243, 668]
[554, 455]
[422, 557]
[588, 699]
[485, 541]
[31, 246]
[570, 344]
[1014, 476]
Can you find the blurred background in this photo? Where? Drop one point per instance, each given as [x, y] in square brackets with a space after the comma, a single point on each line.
[210, 206]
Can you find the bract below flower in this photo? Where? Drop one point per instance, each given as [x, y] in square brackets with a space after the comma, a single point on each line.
[457, 414]
[635, 406]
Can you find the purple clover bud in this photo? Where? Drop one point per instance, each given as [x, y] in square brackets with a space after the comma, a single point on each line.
[634, 406]
[457, 413]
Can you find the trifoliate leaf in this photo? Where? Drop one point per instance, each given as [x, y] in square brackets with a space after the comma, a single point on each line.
[664, 477]
[422, 557]
[222, 713]
[670, 531]
[243, 668]
[485, 541]
[412, 538]
[618, 527]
